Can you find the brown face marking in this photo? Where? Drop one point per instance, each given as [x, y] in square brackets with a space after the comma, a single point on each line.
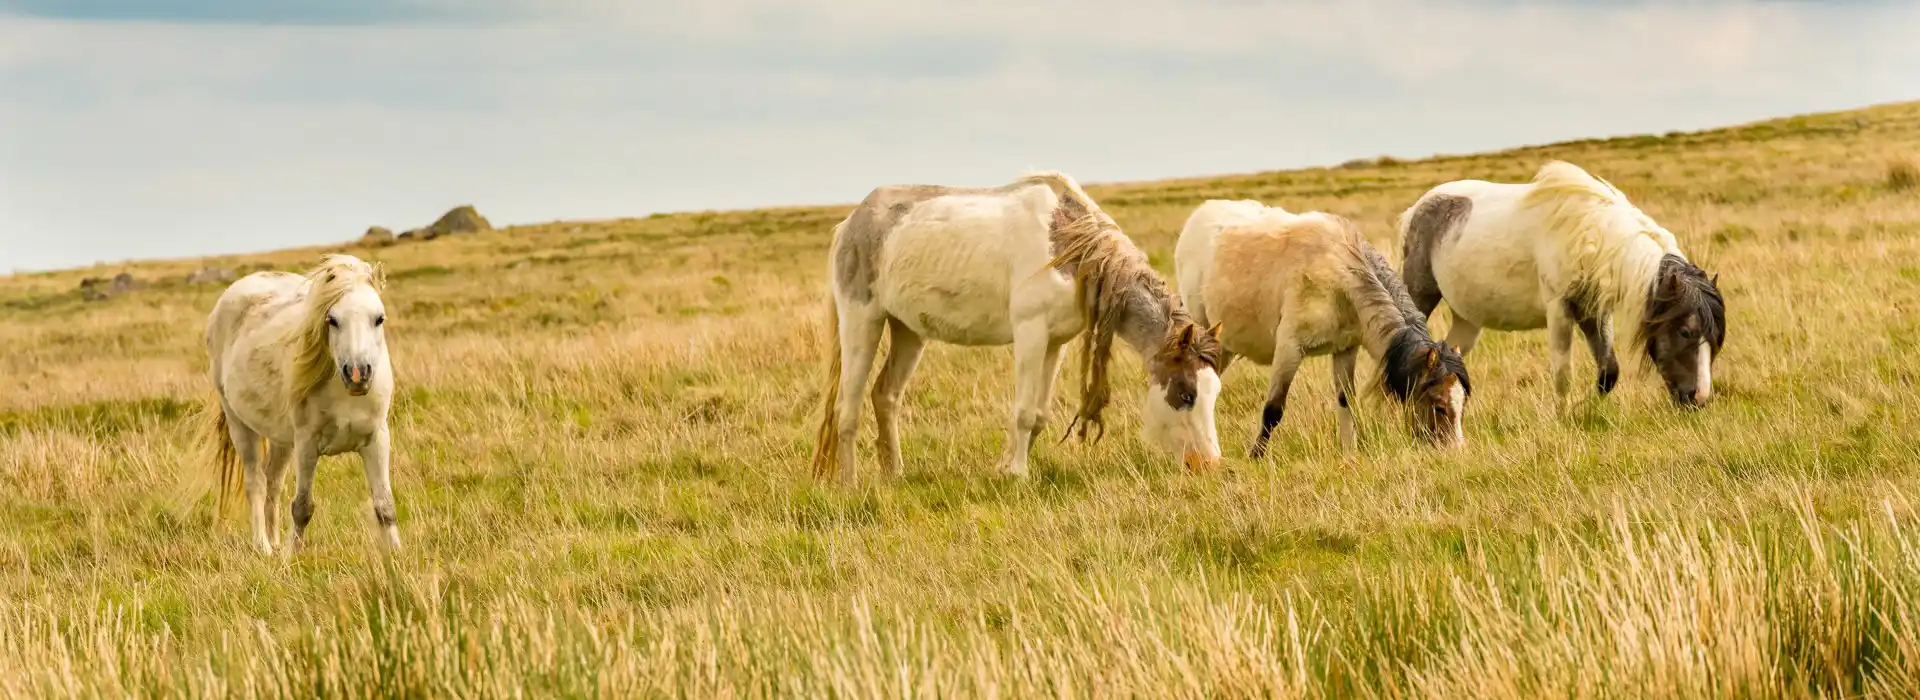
[1437, 219]
[1177, 366]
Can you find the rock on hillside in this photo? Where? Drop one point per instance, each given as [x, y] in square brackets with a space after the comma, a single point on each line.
[461, 219]
[377, 235]
[102, 288]
[210, 275]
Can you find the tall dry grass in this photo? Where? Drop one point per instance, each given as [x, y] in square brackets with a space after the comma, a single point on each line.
[1658, 606]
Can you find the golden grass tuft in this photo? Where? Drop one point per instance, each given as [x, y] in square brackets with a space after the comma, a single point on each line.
[1903, 174]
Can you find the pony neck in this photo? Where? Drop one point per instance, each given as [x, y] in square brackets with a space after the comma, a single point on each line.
[1381, 324]
[1386, 310]
[1148, 314]
[1637, 269]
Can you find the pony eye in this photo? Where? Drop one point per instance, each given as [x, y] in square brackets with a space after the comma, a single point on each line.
[333, 322]
[380, 320]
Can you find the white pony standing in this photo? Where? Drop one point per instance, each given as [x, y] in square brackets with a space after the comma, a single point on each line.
[1032, 264]
[300, 363]
[1564, 250]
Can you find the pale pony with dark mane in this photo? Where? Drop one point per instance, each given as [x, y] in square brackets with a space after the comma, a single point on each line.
[1031, 264]
[1284, 287]
[301, 368]
[1563, 251]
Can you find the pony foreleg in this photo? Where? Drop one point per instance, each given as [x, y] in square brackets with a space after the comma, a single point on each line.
[903, 354]
[306, 456]
[1051, 371]
[1286, 361]
[1461, 333]
[1031, 347]
[1559, 347]
[1344, 364]
[1599, 335]
[374, 458]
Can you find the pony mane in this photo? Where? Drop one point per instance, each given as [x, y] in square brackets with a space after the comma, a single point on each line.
[1684, 291]
[1106, 267]
[1611, 247]
[310, 359]
[1412, 361]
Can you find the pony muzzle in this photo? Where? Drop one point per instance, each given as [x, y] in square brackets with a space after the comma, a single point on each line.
[358, 379]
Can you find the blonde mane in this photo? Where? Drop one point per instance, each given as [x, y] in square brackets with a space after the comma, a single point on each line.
[310, 364]
[1612, 249]
[1105, 266]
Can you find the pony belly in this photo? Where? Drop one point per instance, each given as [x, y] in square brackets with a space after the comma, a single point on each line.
[948, 277]
[1496, 290]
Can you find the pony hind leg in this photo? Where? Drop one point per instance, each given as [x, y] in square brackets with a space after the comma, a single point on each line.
[859, 343]
[1344, 364]
[246, 445]
[903, 354]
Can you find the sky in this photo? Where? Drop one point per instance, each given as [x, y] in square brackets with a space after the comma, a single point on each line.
[134, 129]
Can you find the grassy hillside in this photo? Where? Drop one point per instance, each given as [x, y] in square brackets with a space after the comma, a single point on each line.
[600, 463]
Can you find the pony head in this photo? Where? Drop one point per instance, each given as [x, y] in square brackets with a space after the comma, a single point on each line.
[344, 333]
[1429, 378]
[1183, 381]
[1684, 326]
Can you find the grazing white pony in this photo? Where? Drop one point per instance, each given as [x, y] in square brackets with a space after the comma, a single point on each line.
[1032, 264]
[1565, 250]
[1283, 287]
[300, 362]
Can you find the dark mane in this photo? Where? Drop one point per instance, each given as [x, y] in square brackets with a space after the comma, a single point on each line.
[1416, 363]
[1681, 290]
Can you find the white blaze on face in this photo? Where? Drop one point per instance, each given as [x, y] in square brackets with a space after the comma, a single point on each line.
[1188, 434]
[1458, 397]
[1703, 386]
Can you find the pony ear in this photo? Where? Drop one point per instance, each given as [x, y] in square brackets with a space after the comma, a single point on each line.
[1433, 358]
[1214, 331]
[1454, 348]
[1715, 281]
[1186, 334]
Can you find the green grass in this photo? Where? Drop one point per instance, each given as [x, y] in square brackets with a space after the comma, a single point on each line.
[601, 472]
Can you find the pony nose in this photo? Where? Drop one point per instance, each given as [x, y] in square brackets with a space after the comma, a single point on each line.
[1702, 395]
[356, 374]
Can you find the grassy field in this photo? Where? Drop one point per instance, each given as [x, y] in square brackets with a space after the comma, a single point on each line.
[601, 444]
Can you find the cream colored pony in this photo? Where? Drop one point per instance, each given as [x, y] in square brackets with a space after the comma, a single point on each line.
[300, 363]
[1283, 287]
[1563, 251]
[1032, 264]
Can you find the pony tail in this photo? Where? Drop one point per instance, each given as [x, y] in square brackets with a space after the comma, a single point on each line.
[219, 443]
[826, 442]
